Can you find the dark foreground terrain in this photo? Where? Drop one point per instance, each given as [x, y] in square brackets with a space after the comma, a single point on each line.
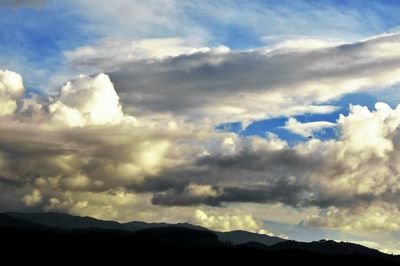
[44, 239]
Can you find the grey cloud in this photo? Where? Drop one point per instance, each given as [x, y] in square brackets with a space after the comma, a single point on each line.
[280, 192]
[246, 166]
[188, 84]
[244, 177]
[265, 177]
[262, 194]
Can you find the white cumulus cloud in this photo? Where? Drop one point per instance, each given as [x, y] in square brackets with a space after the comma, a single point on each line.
[306, 129]
[87, 100]
[11, 90]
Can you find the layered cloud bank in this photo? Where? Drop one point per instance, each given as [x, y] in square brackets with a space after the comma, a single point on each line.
[231, 86]
[124, 145]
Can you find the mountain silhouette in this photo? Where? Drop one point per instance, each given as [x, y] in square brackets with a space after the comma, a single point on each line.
[66, 221]
[326, 247]
[241, 237]
[60, 239]
[7, 221]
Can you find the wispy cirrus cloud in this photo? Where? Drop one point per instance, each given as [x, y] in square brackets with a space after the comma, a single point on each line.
[306, 129]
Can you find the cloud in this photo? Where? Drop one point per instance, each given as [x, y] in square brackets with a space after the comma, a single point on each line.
[110, 54]
[87, 101]
[33, 199]
[215, 22]
[365, 131]
[230, 86]
[226, 223]
[157, 18]
[11, 89]
[376, 217]
[306, 129]
[103, 205]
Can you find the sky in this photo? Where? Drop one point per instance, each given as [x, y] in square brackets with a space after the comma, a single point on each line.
[276, 117]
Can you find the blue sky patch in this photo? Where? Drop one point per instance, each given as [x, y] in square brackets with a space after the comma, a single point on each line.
[275, 125]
